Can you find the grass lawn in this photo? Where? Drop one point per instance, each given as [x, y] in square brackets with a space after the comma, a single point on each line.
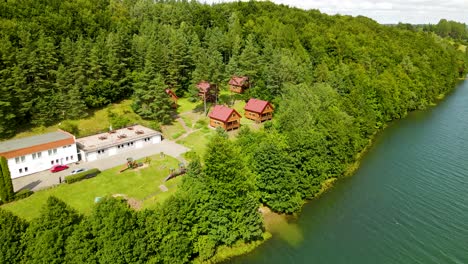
[141, 184]
[198, 140]
[186, 106]
[173, 131]
[96, 121]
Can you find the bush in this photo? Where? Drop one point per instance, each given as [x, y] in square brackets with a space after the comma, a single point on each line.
[21, 194]
[70, 127]
[82, 175]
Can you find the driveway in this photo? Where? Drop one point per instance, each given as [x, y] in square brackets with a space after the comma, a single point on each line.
[46, 179]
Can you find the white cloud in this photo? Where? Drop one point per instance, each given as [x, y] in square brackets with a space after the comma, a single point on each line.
[386, 11]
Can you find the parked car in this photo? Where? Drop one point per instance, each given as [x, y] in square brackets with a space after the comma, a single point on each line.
[75, 171]
[57, 168]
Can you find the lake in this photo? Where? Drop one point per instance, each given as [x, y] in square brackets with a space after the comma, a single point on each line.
[407, 203]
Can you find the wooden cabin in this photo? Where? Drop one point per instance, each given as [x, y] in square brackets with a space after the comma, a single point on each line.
[238, 84]
[224, 117]
[258, 110]
[173, 96]
[208, 90]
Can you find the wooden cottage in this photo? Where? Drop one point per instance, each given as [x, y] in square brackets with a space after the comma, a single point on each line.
[258, 110]
[224, 117]
[173, 96]
[238, 84]
[207, 90]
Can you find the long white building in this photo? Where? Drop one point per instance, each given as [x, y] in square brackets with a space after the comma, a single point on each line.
[37, 153]
[117, 141]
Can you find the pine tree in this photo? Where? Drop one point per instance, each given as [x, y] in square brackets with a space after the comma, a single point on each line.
[46, 236]
[150, 98]
[12, 229]
[7, 193]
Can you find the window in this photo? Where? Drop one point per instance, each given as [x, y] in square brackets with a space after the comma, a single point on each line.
[66, 158]
[52, 162]
[55, 151]
[20, 170]
[50, 152]
[20, 159]
[56, 161]
[25, 169]
[71, 157]
[36, 155]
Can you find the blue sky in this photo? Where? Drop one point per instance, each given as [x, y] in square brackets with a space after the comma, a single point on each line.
[386, 11]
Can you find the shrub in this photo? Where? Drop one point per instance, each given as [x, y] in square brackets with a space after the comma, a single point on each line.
[82, 175]
[21, 194]
[70, 127]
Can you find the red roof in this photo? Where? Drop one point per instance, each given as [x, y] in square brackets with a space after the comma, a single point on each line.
[256, 105]
[203, 86]
[222, 113]
[171, 93]
[238, 81]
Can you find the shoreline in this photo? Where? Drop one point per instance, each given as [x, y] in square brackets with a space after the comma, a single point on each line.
[274, 222]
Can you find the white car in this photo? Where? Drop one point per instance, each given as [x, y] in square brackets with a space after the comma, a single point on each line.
[75, 171]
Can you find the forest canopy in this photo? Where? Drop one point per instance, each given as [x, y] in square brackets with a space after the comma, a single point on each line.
[334, 80]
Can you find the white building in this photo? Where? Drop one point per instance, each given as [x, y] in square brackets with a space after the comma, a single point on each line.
[37, 153]
[117, 141]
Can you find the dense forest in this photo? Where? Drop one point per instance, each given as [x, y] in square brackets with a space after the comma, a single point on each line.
[335, 81]
[445, 28]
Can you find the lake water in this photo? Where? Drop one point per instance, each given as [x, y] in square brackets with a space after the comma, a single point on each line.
[408, 202]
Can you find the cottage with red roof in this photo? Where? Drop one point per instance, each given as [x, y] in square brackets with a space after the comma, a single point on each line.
[207, 90]
[258, 110]
[173, 96]
[238, 84]
[224, 117]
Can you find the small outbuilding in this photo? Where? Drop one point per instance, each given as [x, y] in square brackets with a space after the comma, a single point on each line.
[224, 117]
[207, 90]
[238, 84]
[258, 110]
[173, 96]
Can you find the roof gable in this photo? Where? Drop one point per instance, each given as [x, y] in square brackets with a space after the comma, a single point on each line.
[256, 105]
[171, 93]
[203, 86]
[238, 81]
[222, 113]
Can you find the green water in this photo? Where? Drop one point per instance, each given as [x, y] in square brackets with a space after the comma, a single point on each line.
[408, 202]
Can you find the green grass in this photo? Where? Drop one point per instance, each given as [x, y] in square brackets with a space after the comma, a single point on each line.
[198, 140]
[96, 121]
[186, 106]
[142, 184]
[173, 131]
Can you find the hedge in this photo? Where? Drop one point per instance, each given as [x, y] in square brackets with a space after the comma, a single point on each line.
[82, 175]
[21, 194]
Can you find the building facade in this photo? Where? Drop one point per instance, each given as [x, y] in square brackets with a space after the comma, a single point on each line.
[258, 110]
[238, 84]
[117, 141]
[38, 153]
[224, 117]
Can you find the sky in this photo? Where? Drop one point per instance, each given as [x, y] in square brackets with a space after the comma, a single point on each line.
[386, 11]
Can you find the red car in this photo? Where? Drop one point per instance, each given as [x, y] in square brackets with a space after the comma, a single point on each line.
[58, 168]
